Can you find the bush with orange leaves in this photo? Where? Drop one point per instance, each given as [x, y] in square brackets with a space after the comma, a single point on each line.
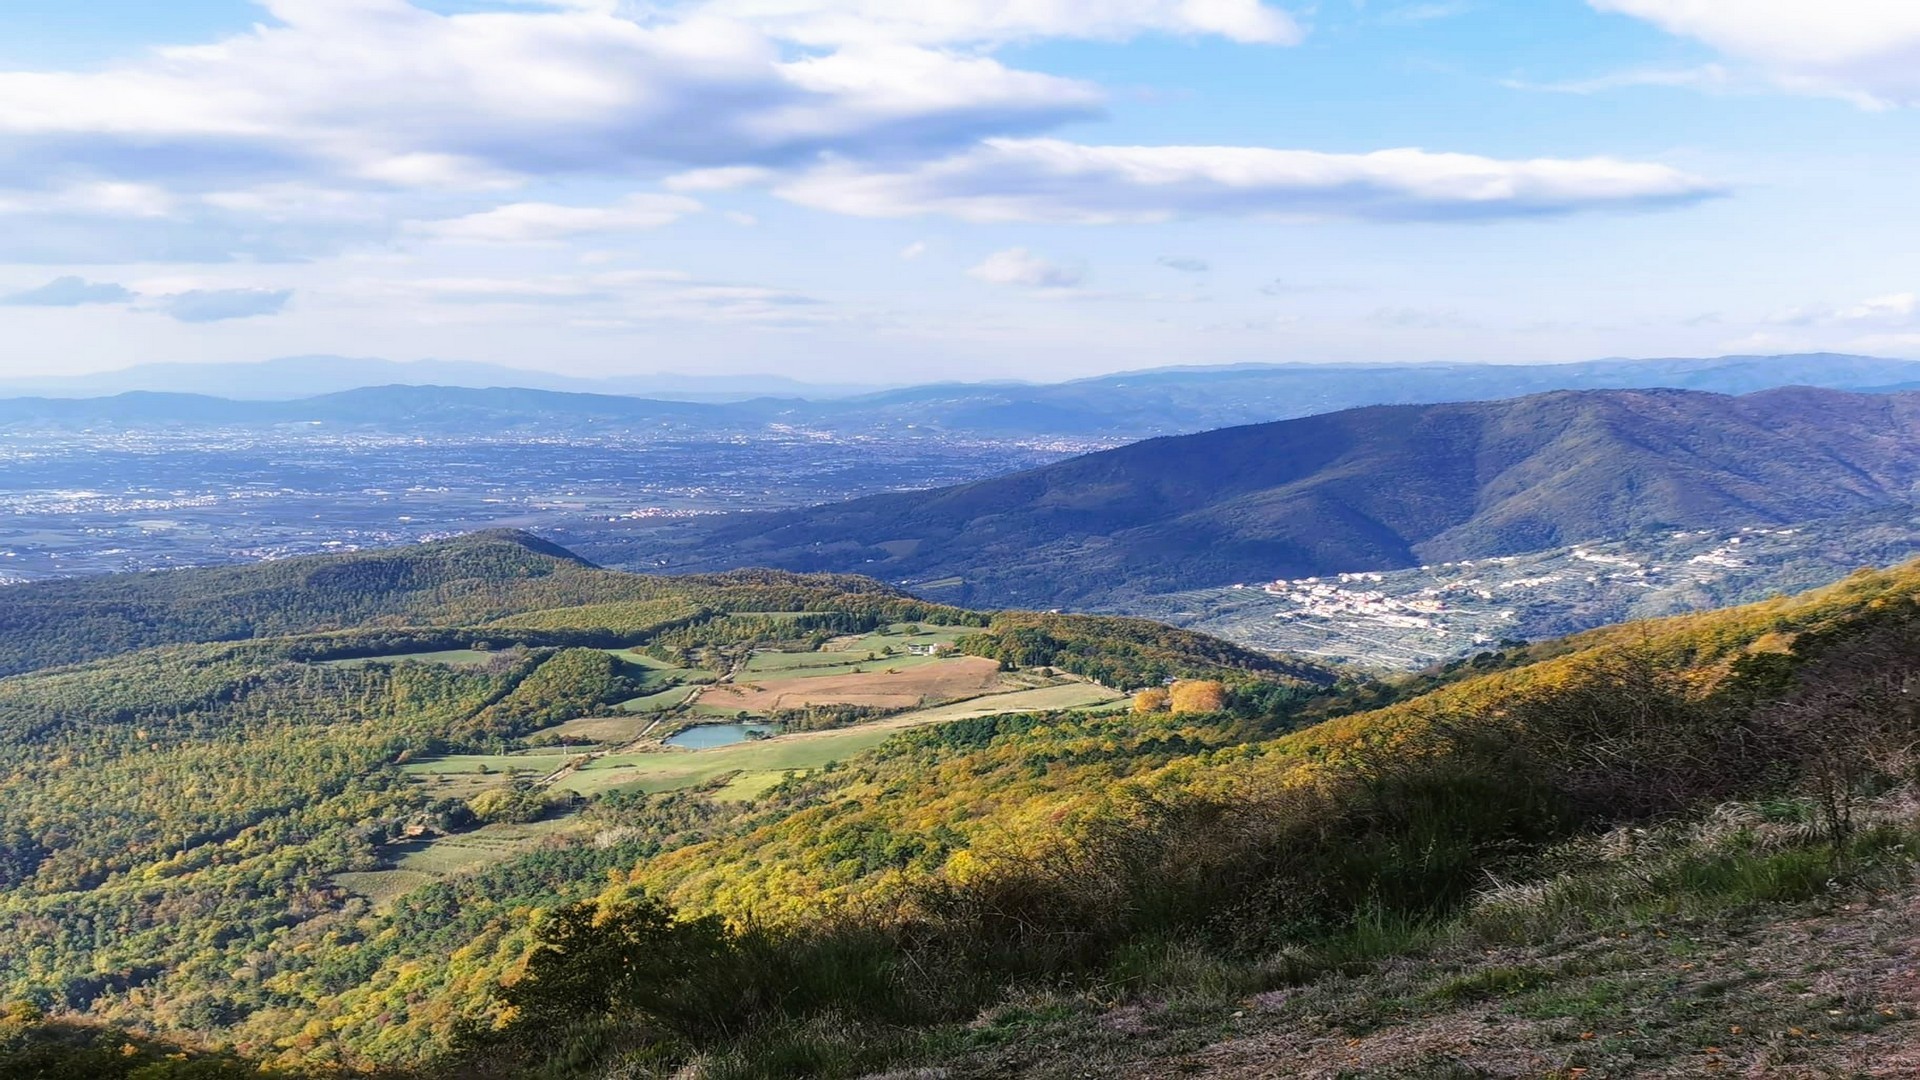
[1198, 696]
[1152, 700]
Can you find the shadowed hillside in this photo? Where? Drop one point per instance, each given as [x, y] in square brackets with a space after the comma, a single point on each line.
[1366, 489]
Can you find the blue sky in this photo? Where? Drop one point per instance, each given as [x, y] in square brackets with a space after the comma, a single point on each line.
[875, 191]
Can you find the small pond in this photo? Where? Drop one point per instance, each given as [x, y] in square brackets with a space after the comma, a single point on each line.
[708, 736]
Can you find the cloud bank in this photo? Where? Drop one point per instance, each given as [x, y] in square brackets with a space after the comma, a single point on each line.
[944, 22]
[1050, 180]
[70, 292]
[1867, 51]
[219, 305]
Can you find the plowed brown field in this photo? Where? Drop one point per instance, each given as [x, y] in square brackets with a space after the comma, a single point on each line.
[910, 688]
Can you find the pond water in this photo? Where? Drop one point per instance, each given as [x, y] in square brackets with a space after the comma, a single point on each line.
[708, 736]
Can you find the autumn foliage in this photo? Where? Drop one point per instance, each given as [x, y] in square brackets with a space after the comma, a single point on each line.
[1198, 696]
[1184, 696]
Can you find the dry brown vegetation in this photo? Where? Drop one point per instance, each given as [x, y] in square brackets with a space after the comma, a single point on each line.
[908, 688]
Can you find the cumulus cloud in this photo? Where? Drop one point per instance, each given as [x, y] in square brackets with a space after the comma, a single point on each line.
[529, 222]
[218, 305]
[1022, 268]
[1184, 264]
[831, 22]
[104, 199]
[70, 292]
[724, 178]
[1056, 181]
[385, 92]
[1867, 51]
[1894, 307]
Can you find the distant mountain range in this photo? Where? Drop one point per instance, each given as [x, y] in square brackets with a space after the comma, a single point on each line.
[1375, 488]
[1109, 409]
[291, 377]
[406, 408]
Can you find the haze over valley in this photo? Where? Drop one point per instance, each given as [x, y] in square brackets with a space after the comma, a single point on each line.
[145, 480]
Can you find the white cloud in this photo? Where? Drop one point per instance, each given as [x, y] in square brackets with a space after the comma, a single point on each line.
[106, 199]
[618, 297]
[69, 291]
[1893, 309]
[384, 92]
[724, 178]
[1184, 263]
[914, 250]
[1713, 78]
[963, 22]
[522, 223]
[1867, 51]
[1056, 181]
[219, 305]
[1018, 266]
[1896, 307]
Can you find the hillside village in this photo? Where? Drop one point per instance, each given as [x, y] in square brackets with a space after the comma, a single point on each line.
[1408, 619]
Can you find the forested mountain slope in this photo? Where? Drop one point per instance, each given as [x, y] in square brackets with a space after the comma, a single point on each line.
[1366, 489]
[466, 580]
[478, 850]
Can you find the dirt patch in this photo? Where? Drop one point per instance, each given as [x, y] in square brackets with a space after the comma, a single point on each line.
[908, 688]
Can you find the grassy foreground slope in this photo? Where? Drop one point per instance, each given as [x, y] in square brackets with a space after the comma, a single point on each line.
[1605, 844]
[1616, 842]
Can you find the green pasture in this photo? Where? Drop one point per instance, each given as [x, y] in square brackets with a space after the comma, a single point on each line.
[667, 770]
[598, 729]
[536, 763]
[445, 855]
[761, 763]
[670, 698]
[383, 887]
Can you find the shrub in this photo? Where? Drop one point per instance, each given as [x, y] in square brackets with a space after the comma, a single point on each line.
[1152, 700]
[516, 804]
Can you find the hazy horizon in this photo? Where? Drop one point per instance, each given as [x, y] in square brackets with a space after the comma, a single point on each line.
[103, 381]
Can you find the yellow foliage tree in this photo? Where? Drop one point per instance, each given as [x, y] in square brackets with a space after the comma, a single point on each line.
[1151, 700]
[1198, 696]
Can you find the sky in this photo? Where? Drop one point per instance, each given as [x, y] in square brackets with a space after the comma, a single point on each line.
[880, 191]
